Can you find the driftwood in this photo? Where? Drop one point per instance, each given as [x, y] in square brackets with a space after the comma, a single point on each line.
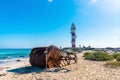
[50, 57]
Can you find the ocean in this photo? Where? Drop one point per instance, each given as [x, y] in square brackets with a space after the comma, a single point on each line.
[9, 55]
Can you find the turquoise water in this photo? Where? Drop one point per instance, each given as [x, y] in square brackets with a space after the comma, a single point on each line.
[13, 54]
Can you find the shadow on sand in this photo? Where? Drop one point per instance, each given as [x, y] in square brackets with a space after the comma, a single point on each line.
[30, 69]
[27, 69]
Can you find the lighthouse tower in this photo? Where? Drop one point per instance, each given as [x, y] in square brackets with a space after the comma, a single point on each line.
[73, 34]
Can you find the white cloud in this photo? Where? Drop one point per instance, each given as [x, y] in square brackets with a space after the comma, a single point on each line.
[50, 0]
[110, 9]
[93, 2]
[113, 41]
[112, 6]
[107, 6]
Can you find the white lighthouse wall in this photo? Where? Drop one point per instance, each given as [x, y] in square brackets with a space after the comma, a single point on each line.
[73, 31]
[73, 43]
[73, 37]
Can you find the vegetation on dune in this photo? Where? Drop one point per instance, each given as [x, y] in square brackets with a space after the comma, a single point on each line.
[87, 53]
[118, 58]
[89, 56]
[112, 64]
[115, 55]
[98, 56]
[103, 56]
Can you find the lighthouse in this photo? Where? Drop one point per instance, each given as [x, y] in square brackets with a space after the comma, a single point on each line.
[73, 34]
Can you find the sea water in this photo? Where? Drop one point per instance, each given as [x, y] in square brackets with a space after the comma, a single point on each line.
[9, 55]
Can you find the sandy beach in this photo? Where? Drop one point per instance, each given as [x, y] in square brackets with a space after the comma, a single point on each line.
[83, 70]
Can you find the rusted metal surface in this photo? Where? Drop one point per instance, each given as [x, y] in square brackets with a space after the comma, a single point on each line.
[50, 57]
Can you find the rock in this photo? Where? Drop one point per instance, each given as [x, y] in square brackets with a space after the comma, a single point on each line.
[63, 71]
[22, 56]
[7, 57]
[2, 74]
[18, 60]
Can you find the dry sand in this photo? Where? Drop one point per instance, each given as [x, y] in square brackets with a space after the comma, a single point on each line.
[83, 70]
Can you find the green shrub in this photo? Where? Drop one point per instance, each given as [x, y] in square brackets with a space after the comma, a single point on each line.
[112, 64]
[98, 56]
[115, 55]
[118, 58]
[90, 56]
[103, 56]
[109, 58]
[87, 53]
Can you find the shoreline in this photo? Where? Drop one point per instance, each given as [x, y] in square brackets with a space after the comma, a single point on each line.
[15, 61]
[5, 67]
[12, 60]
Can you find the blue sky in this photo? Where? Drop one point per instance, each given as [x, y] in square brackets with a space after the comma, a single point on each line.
[32, 23]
